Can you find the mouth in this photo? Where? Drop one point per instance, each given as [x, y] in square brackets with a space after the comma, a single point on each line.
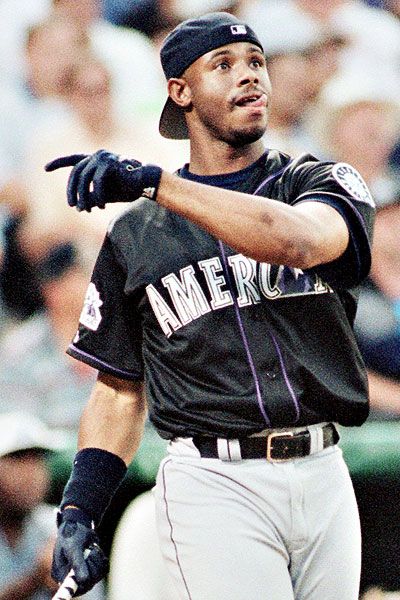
[252, 100]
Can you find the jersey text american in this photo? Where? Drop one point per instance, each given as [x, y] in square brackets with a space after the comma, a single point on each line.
[251, 281]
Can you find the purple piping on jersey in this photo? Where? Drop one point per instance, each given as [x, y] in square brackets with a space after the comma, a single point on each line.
[244, 337]
[274, 340]
[239, 318]
[271, 177]
[171, 531]
[285, 375]
[100, 362]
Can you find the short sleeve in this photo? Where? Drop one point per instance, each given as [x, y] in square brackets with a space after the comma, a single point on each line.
[109, 337]
[342, 187]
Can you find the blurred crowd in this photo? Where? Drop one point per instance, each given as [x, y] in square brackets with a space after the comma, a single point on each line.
[79, 76]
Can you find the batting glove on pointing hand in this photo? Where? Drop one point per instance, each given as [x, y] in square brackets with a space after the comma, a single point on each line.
[75, 537]
[103, 177]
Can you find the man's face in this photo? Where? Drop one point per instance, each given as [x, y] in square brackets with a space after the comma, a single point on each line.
[230, 92]
[24, 481]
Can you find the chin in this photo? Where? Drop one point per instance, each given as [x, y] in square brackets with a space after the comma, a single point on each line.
[240, 138]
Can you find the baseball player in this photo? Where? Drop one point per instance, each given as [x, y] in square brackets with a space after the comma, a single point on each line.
[225, 294]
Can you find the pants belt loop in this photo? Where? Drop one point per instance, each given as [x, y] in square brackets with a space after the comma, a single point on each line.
[228, 450]
[316, 438]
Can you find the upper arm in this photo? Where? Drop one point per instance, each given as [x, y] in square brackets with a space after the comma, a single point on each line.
[327, 228]
[339, 187]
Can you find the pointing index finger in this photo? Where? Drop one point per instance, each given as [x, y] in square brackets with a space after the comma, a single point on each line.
[64, 161]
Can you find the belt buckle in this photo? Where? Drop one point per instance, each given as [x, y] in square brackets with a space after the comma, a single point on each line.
[271, 436]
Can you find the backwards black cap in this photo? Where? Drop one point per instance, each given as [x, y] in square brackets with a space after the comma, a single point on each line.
[184, 45]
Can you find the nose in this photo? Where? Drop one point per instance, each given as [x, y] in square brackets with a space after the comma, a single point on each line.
[247, 75]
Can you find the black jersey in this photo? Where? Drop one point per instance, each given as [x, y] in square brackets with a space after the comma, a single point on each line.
[228, 346]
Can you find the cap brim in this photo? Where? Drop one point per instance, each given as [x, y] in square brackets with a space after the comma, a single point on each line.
[172, 122]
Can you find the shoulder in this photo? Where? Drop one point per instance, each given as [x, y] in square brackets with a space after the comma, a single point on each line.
[134, 217]
[307, 174]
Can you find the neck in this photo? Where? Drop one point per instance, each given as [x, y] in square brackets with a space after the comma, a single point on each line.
[218, 157]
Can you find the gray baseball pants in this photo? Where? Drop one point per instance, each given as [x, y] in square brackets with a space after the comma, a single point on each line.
[253, 529]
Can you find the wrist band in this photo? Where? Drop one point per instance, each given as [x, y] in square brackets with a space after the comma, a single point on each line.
[151, 180]
[95, 477]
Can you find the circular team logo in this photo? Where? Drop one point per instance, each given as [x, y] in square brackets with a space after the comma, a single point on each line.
[351, 181]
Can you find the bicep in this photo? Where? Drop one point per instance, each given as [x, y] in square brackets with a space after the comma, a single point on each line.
[326, 227]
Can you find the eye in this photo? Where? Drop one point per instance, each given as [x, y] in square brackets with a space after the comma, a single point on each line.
[223, 65]
[258, 62]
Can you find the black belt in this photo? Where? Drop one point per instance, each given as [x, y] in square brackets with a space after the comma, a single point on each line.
[277, 445]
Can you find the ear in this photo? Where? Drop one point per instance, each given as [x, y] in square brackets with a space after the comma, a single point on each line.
[180, 92]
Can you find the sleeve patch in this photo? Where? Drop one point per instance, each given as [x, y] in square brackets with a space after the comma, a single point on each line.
[90, 315]
[351, 181]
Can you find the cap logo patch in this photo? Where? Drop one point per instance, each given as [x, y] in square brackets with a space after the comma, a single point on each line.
[351, 181]
[90, 315]
[238, 29]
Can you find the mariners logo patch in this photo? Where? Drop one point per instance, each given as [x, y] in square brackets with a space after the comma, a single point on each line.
[351, 181]
[90, 315]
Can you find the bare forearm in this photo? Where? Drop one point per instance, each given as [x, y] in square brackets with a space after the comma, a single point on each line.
[114, 417]
[384, 393]
[260, 228]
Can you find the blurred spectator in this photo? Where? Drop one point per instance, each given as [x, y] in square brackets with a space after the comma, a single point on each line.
[372, 32]
[15, 19]
[377, 324]
[35, 372]
[137, 568]
[357, 121]
[95, 123]
[127, 54]
[35, 103]
[27, 524]
[393, 6]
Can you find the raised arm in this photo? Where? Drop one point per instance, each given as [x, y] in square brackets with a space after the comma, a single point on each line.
[264, 229]
[301, 236]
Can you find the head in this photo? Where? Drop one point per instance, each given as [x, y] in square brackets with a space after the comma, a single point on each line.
[24, 482]
[84, 12]
[320, 9]
[63, 281]
[385, 270]
[358, 119]
[364, 132]
[24, 475]
[218, 83]
[62, 40]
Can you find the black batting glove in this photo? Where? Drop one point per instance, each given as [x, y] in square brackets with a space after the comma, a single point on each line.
[103, 177]
[77, 547]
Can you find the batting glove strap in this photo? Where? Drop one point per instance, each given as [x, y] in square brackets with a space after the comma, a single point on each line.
[95, 477]
[75, 515]
[151, 180]
[136, 179]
